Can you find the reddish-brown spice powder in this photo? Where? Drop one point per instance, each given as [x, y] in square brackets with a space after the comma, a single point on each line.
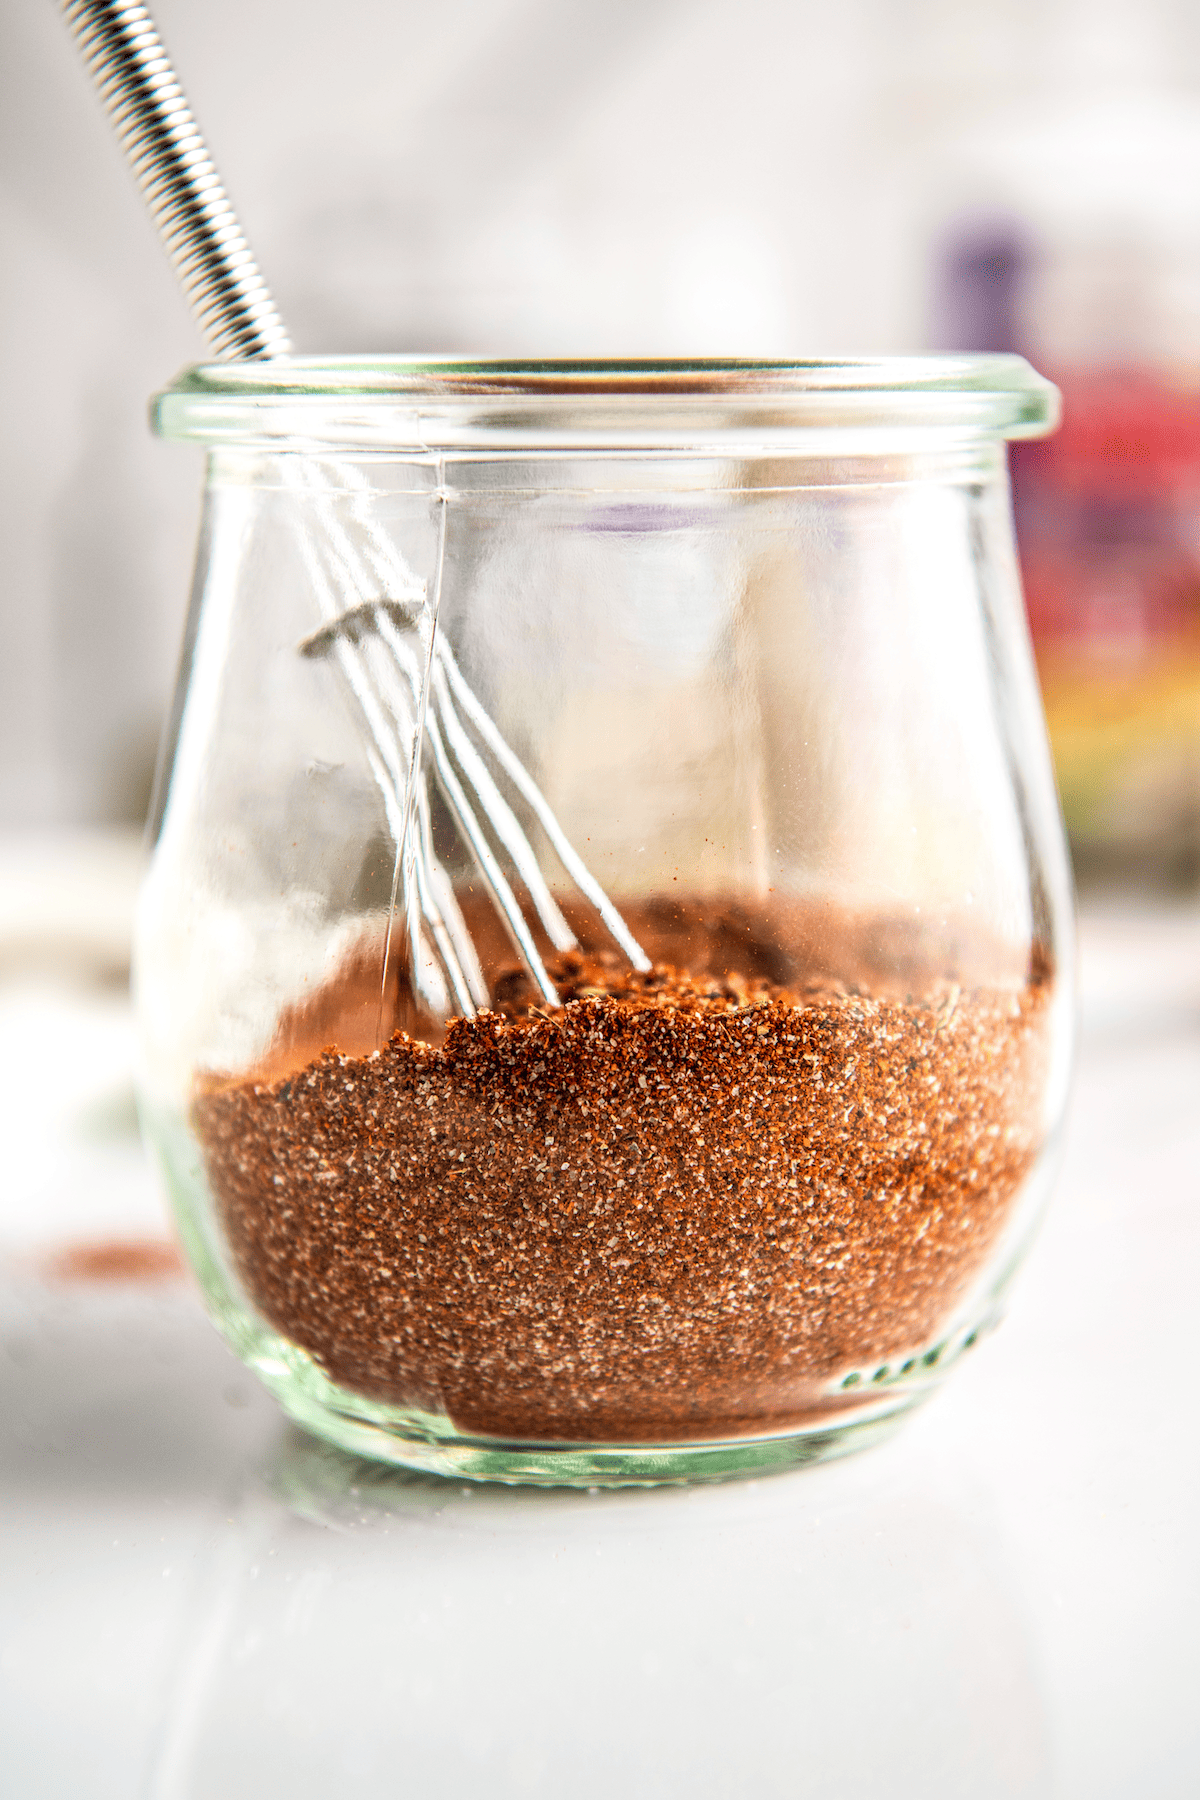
[675, 1207]
[116, 1259]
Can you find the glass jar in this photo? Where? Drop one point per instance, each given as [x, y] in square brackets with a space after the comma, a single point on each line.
[605, 969]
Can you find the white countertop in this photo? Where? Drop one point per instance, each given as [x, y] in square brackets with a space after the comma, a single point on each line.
[196, 1601]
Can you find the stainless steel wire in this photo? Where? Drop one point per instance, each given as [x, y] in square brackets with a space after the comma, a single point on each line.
[181, 186]
[379, 629]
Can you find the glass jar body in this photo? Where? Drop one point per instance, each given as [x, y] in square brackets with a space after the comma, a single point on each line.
[722, 1162]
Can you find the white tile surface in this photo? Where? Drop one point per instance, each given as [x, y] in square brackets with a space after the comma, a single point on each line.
[196, 1602]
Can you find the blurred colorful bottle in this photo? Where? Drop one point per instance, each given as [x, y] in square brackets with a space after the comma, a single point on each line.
[1074, 238]
[1108, 520]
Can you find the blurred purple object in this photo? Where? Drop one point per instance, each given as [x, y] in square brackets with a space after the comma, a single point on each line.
[981, 267]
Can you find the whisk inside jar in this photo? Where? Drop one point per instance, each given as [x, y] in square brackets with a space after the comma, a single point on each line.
[423, 721]
[380, 626]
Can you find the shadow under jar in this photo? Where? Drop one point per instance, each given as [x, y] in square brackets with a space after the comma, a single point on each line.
[605, 967]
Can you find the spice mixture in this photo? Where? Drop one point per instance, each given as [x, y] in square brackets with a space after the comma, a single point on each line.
[675, 1207]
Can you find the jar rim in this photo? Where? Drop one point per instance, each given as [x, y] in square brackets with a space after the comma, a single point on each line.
[450, 401]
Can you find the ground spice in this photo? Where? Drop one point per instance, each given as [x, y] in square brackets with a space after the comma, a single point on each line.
[116, 1259]
[677, 1206]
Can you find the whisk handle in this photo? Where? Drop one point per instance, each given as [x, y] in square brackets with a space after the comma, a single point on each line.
[183, 191]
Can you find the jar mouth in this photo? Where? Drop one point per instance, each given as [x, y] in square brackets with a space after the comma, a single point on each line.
[448, 402]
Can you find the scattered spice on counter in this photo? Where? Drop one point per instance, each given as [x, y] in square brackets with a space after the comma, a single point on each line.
[116, 1259]
[674, 1207]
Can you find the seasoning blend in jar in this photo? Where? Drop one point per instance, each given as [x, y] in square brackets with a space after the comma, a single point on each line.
[605, 968]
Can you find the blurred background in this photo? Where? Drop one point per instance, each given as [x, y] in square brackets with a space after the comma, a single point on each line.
[1007, 1608]
[774, 177]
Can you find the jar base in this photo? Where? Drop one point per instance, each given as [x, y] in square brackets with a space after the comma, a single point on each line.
[432, 1447]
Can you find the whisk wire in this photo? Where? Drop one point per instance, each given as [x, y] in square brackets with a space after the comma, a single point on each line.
[378, 624]
[515, 769]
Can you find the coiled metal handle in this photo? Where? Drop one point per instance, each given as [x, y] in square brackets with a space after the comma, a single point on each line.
[195, 220]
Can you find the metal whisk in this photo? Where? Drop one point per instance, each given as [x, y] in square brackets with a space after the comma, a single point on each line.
[380, 629]
[402, 686]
